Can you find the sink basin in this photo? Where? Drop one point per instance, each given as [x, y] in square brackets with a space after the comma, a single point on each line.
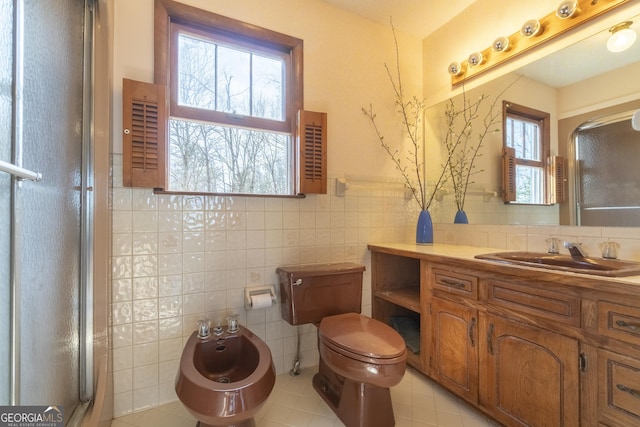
[587, 265]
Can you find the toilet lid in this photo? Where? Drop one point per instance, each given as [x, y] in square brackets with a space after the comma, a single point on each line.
[362, 335]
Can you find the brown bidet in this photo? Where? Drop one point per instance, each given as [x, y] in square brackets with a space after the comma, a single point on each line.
[224, 380]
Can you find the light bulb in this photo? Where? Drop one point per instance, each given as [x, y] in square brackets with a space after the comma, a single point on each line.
[622, 37]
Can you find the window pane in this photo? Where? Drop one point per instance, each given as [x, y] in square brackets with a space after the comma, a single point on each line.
[221, 159]
[529, 184]
[524, 137]
[196, 73]
[234, 81]
[268, 88]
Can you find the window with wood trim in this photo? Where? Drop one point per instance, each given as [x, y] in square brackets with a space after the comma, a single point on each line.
[234, 91]
[526, 155]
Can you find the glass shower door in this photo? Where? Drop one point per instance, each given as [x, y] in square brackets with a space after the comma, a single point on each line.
[41, 129]
[6, 63]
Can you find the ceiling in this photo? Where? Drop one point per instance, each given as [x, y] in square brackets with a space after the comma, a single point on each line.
[417, 17]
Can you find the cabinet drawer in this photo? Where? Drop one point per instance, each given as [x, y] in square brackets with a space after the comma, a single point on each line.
[619, 389]
[619, 321]
[558, 306]
[455, 282]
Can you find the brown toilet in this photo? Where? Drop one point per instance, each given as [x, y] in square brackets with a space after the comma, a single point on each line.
[360, 357]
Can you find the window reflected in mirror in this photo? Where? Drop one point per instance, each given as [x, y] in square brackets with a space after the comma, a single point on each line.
[526, 141]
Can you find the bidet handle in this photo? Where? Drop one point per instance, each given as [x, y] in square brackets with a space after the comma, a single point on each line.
[204, 328]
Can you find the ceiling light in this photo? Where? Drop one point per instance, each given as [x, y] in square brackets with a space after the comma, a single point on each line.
[622, 37]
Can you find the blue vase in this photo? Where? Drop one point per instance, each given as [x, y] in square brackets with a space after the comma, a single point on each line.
[424, 231]
[461, 218]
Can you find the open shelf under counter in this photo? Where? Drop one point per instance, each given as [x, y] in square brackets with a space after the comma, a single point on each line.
[408, 297]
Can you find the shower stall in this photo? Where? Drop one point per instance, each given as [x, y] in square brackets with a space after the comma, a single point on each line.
[45, 204]
[607, 180]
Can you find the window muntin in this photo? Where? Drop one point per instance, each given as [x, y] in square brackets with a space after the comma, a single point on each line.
[265, 92]
[527, 132]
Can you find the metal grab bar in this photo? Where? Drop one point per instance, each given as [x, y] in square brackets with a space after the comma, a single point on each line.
[21, 173]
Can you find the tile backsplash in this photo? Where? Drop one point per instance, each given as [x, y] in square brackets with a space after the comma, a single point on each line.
[178, 258]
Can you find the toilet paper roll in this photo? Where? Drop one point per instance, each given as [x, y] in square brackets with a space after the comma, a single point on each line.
[261, 301]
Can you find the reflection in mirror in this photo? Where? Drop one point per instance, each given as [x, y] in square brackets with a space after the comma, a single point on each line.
[573, 85]
[606, 172]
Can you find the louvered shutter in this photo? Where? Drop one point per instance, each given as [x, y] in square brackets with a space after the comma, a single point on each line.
[312, 152]
[144, 141]
[508, 174]
[557, 179]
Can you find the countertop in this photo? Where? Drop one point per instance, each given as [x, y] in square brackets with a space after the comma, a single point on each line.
[441, 252]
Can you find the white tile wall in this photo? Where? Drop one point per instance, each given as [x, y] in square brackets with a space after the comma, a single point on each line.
[176, 259]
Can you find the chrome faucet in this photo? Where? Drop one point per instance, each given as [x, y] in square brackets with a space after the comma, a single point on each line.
[203, 328]
[575, 250]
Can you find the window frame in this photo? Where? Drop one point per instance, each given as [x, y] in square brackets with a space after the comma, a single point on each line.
[510, 109]
[171, 15]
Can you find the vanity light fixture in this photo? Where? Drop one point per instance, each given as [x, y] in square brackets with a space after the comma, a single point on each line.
[567, 9]
[530, 28]
[455, 69]
[568, 15]
[500, 44]
[622, 37]
[475, 58]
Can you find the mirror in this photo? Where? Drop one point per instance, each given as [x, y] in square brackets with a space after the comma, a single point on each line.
[577, 83]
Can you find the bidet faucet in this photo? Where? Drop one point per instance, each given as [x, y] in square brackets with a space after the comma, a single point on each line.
[203, 328]
[232, 324]
[575, 250]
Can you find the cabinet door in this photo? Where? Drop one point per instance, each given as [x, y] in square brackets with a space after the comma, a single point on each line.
[528, 376]
[618, 389]
[454, 351]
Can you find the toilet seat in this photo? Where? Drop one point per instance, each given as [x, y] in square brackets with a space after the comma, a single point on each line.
[362, 338]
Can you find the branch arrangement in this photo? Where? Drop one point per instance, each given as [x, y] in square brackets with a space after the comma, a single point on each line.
[463, 145]
[411, 112]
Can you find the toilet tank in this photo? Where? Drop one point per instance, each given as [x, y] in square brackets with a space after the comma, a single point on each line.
[309, 293]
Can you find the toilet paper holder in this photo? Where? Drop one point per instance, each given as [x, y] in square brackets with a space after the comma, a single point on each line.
[259, 290]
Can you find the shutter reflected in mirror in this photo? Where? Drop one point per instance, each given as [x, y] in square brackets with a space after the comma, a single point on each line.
[508, 174]
[144, 142]
[312, 154]
[557, 179]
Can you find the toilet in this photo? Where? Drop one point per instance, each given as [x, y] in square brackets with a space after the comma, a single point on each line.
[360, 357]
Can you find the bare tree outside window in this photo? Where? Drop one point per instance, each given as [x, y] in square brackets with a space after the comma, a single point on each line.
[220, 158]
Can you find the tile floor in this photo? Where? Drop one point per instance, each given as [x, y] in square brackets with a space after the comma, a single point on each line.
[417, 402]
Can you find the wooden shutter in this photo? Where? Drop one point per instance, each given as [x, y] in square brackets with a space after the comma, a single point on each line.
[508, 174]
[557, 179]
[144, 140]
[312, 152]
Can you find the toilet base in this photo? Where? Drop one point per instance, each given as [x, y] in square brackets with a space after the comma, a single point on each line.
[355, 404]
[246, 423]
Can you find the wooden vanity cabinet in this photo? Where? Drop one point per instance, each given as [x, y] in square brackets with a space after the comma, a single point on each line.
[618, 364]
[453, 355]
[521, 374]
[453, 331]
[528, 376]
[395, 291]
[527, 349]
